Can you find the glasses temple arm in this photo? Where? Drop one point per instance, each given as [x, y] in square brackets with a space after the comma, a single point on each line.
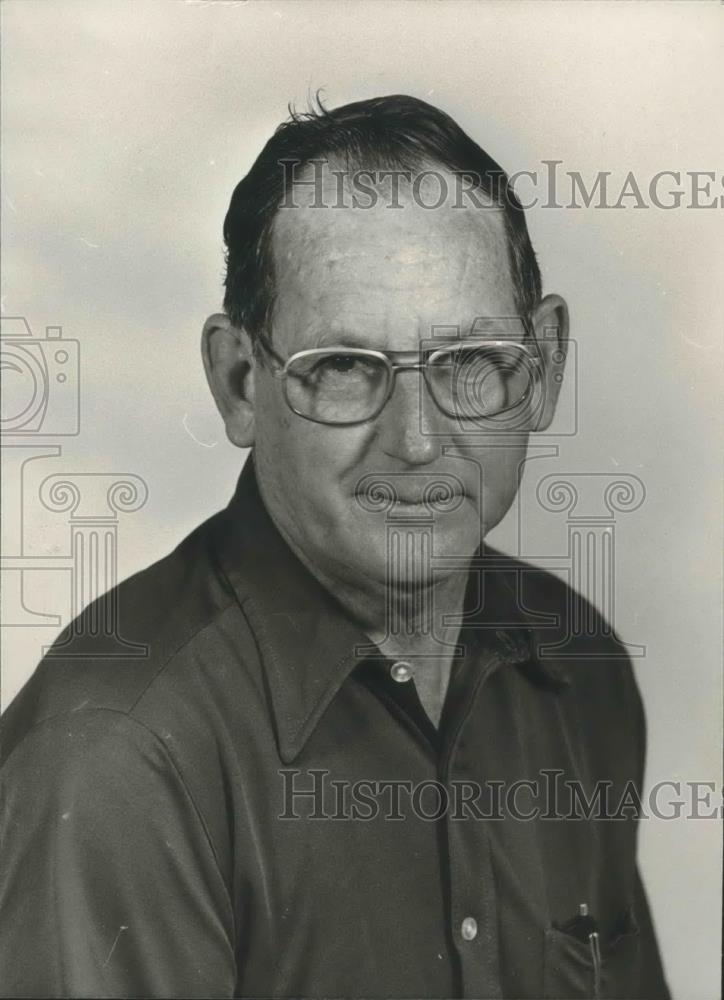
[264, 341]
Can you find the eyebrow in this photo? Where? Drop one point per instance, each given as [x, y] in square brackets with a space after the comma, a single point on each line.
[346, 338]
[427, 345]
[478, 329]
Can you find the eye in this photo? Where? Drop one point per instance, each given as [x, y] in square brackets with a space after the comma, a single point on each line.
[344, 367]
[339, 364]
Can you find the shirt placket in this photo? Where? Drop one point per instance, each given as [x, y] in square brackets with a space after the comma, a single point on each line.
[464, 754]
[473, 900]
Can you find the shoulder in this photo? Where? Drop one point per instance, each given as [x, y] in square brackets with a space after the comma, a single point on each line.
[540, 594]
[163, 628]
[574, 641]
[574, 638]
[152, 706]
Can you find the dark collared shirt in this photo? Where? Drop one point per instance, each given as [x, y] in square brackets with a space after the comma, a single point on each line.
[249, 803]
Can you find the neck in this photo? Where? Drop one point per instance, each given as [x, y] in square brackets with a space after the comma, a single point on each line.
[404, 616]
[407, 622]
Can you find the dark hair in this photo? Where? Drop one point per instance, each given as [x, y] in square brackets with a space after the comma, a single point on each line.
[392, 132]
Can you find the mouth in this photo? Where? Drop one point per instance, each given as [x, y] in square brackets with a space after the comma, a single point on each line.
[410, 492]
[373, 498]
[401, 504]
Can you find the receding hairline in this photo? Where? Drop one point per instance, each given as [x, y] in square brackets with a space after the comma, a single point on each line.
[460, 216]
[489, 234]
[392, 132]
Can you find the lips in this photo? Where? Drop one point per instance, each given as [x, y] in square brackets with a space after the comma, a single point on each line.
[412, 492]
[373, 496]
[419, 502]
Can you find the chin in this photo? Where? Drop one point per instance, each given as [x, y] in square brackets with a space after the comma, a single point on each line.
[405, 553]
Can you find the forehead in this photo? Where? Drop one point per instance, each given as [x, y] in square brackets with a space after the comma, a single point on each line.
[401, 267]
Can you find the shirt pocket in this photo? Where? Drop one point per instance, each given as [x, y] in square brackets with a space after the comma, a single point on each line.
[569, 968]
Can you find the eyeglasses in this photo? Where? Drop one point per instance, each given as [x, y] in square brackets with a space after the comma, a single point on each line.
[467, 379]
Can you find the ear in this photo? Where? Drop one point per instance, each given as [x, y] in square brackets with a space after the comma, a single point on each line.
[229, 364]
[550, 326]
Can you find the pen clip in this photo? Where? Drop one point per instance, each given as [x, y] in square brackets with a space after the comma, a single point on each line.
[581, 926]
[584, 928]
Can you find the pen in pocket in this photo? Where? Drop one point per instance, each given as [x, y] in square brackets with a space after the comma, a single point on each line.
[585, 929]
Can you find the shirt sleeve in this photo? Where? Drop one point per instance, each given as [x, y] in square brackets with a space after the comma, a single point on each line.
[111, 884]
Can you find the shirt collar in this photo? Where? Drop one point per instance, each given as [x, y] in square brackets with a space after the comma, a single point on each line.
[308, 643]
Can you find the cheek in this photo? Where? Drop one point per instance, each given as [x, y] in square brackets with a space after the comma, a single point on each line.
[497, 471]
[277, 457]
[305, 465]
[503, 482]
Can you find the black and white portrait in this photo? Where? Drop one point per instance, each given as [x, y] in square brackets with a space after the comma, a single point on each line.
[361, 565]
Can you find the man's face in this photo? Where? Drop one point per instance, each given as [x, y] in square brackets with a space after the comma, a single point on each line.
[383, 279]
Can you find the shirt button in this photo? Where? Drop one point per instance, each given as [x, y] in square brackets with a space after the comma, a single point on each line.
[469, 929]
[401, 671]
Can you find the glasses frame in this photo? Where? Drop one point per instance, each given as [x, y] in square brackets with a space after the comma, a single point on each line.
[393, 367]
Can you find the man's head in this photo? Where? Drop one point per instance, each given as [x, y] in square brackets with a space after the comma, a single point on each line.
[381, 226]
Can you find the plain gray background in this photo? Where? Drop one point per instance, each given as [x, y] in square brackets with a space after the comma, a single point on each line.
[125, 128]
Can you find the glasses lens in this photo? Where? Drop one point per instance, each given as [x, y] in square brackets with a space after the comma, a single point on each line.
[333, 387]
[481, 380]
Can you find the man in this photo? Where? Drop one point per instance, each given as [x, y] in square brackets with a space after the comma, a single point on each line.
[322, 774]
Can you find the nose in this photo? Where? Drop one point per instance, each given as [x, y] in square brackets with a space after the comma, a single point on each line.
[408, 425]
